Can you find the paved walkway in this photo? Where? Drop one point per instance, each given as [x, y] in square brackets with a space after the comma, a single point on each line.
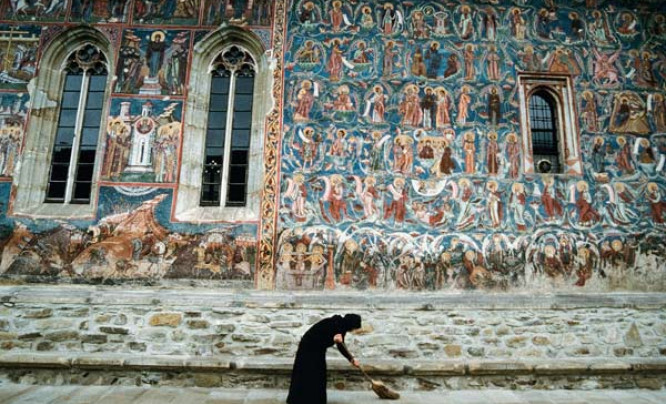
[25, 394]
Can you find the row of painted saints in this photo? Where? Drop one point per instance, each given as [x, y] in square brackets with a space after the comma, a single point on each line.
[491, 203]
[477, 22]
[459, 261]
[341, 59]
[180, 12]
[439, 108]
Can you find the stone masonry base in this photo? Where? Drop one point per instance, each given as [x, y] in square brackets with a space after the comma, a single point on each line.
[413, 342]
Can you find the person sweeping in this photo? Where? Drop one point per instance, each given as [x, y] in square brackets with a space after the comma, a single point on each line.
[308, 377]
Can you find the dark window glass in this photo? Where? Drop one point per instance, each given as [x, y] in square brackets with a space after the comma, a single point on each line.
[61, 157]
[240, 138]
[543, 126]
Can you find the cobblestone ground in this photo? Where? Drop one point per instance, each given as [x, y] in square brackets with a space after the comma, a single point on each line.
[26, 394]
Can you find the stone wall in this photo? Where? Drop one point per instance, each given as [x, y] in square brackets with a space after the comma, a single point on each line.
[238, 336]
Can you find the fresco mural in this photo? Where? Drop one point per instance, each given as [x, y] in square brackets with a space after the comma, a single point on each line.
[172, 12]
[153, 62]
[142, 141]
[13, 113]
[100, 10]
[250, 12]
[48, 10]
[128, 242]
[402, 147]
[18, 52]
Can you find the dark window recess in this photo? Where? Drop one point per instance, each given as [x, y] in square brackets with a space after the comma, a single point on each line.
[211, 181]
[240, 140]
[241, 125]
[543, 126]
[91, 102]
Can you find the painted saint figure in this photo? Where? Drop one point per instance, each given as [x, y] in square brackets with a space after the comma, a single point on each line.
[492, 154]
[463, 104]
[469, 148]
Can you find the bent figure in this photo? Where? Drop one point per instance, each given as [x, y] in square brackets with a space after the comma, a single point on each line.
[308, 378]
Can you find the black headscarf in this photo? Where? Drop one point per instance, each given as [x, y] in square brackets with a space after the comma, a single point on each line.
[351, 322]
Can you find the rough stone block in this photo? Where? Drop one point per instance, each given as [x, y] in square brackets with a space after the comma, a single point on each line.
[41, 313]
[197, 324]
[60, 336]
[94, 339]
[8, 336]
[246, 338]
[29, 336]
[114, 330]
[225, 328]
[207, 364]
[166, 320]
[44, 346]
[633, 337]
[453, 350]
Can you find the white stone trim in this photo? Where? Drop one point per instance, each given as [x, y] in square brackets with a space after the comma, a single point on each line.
[560, 86]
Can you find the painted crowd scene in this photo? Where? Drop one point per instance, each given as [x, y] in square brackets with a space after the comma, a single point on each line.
[401, 159]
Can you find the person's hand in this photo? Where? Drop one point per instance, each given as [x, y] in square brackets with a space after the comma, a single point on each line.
[355, 362]
[337, 338]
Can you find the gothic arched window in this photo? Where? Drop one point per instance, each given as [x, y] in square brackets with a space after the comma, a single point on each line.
[60, 160]
[75, 148]
[224, 178]
[221, 172]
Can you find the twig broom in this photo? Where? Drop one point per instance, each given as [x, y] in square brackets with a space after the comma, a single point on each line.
[383, 391]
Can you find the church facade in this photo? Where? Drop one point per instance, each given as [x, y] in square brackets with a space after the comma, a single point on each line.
[335, 145]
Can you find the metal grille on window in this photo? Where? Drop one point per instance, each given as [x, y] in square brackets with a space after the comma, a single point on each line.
[75, 147]
[225, 170]
[543, 126]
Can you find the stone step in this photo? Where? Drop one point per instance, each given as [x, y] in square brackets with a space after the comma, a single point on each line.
[254, 372]
[25, 394]
[590, 366]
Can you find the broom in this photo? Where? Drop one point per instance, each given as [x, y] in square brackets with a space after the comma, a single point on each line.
[383, 391]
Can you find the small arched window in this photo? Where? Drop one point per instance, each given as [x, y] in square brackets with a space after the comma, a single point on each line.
[544, 132]
[225, 171]
[74, 150]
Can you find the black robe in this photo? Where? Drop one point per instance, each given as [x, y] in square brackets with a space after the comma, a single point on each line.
[308, 378]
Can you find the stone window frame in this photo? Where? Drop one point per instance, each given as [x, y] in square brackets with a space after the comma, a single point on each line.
[31, 179]
[561, 88]
[188, 192]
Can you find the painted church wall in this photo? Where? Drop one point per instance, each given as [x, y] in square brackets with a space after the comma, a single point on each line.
[401, 155]
[403, 158]
[133, 237]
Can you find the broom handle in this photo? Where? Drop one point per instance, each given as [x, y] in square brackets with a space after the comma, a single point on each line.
[366, 375]
[342, 344]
